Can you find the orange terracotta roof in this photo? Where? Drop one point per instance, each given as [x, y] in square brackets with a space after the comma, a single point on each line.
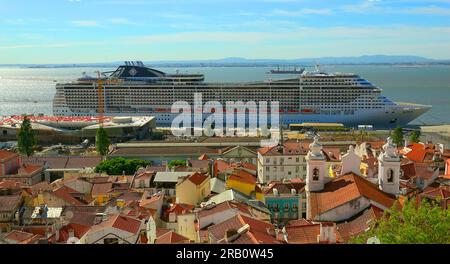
[443, 192]
[239, 207]
[181, 208]
[284, 187]
[360, 223]
[6, 155]
[243, 176]
[220, 165]
[29, 169]
[20, 237]
[203, 157]
[197, 178]
[64, 193]
[289, 148]
[247, 165]
[122, 222]
[418, 169]
[79, 231]
[258, 230]
[154, 198]
[298, 222]
[344, 189]
[101, 188]
[419, 152]
[161, 231]
[9, 184]
[140, 212]
[171, 237]
[447, 164]
[303, 234]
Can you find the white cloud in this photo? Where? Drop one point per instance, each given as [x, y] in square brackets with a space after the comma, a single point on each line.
[399, 33]
[120, 21]
[177, 15]
[428, 10]
[86, 23]
[28, 46]
[248, 37]
[380, 7]
[302, 12]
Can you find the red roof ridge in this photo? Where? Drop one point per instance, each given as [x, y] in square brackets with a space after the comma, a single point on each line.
[197, 178]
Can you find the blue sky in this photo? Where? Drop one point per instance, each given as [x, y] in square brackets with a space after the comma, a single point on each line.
[73, 31]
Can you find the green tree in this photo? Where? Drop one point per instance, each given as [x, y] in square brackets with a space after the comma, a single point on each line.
[412, 224]
[156, 135]
[414, 137]
[176, 163]
[362, 135]
[102, 141]
[25, 139]
[118, 166]
[397, 136]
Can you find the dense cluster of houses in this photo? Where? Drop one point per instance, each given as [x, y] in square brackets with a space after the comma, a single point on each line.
[295, 192]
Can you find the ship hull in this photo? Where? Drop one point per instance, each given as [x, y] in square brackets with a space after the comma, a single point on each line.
[381, 118]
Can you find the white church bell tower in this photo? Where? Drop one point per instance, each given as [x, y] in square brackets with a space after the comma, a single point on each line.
[389, 168]
[315, 167]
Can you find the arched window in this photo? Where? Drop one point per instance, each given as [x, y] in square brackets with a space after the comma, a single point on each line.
[315, 174]
[390, 175]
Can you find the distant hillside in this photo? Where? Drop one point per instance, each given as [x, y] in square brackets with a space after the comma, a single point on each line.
[366, 59]
[237, 61]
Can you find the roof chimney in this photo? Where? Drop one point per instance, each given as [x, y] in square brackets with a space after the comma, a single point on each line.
[120, 203]
[327, 233]
[71, 232]
[275, 191]
[233, 234]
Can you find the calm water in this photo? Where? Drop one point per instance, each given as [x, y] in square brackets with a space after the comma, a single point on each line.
[26, 90]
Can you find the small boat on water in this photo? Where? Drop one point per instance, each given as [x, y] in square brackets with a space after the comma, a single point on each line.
[295, 70]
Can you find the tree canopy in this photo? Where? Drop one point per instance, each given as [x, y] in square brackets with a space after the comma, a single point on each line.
[156, 135]
[397, 136]
[414, 137]
[176, 163]
[414, 223]
[102, 141]
[118, 166]
[25, 139]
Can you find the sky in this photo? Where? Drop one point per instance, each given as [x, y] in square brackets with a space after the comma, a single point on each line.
[80, 31]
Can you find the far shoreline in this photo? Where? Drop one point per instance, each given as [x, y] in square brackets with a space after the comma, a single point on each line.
[206, 65]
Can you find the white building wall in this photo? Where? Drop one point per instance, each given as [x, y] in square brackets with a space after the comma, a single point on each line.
[344, 211]
[272, 168]
[186, 226]
[110, 232]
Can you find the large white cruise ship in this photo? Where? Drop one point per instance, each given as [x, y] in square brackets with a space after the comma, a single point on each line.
[134, 89]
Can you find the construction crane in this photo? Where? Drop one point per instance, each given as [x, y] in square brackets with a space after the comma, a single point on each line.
[101, 101]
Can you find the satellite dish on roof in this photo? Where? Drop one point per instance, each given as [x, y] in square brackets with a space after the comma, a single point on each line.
[72, 240]
[373, 240]
[69, 214]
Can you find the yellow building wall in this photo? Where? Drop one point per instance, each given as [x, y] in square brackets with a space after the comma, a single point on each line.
[243, 187]
[260, 196]
[189, 193]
